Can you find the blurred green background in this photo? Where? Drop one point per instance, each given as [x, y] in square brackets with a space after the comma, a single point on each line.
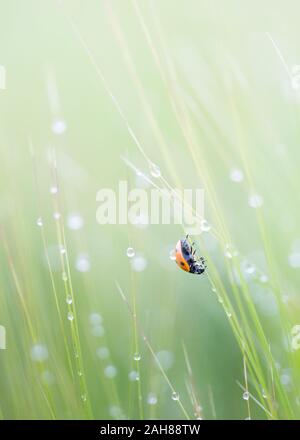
[211, 92]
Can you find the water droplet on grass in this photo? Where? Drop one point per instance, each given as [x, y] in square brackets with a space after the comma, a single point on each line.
[83, 397]
[69, 299]
[70, 316]
[56, 215]
[246, 395]
[39, 353]
[137, 356]
[102, 352]
[249, 269]
[205, 226]
[255, 201]
[75, 221]
[39, 221]
[59, 126]
[152, 399]
[263, 278]
[175, 396]
[237, 175]
[154, 170]
[53, 190]
[82, 263]
[110, 371]
[134, 376]
[64, 276]
[98, 331]
[139, 264]
[130, 252]
[95, 318]
[230, 251]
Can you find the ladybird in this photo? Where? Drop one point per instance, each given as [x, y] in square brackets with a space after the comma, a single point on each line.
[185, 257]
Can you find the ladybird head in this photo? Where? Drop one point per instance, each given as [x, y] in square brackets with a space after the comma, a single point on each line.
[197, 267]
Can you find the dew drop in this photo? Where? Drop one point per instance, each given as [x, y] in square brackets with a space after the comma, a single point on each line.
[230, 251]
[56, 215]
[236, 175]
[220, 300]
[205, 226]
[134, 376]
[246, 395]
[172, 255]
[154, 170]
[98, 331]
[53, 190]
[62, 250]
[82, 263]
[79, 373]
[139, 263]
[70, 316]
[175, 395]
[59, 126]
[83, 397]
[102, 352]
[64, 276]
[75, 221]
[39, 221]
[39, 353]
[228, 313]
[255, 201]
[249, 268]
[110, 371]
[95, 318]
[152, 399]
[130, 252]
[263, 278]
[214, 289]
[69, 299]
[137, 356]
